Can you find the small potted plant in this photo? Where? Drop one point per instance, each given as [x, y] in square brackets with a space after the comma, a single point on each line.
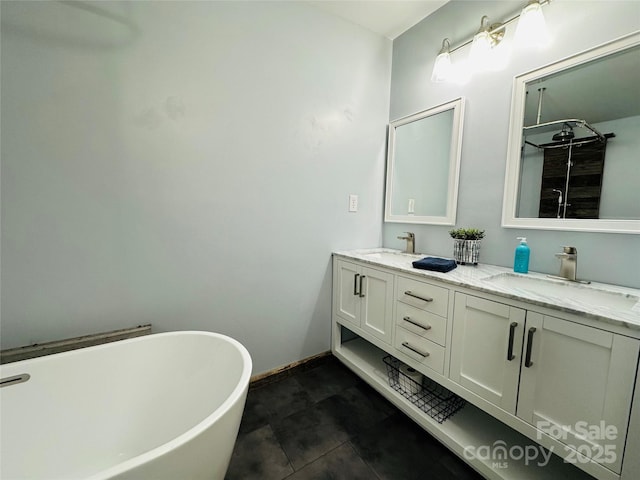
[466, 245]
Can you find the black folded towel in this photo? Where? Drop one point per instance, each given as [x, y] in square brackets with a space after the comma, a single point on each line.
[436, 264]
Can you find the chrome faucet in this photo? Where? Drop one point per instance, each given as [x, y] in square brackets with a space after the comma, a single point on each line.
[411, 242]
[568, 265]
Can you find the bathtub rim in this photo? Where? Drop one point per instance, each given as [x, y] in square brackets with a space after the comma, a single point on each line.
[238, 392]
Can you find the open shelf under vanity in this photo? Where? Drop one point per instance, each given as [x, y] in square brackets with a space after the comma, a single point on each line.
[468, 427]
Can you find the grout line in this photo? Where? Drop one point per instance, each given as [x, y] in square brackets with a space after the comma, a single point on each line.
[323, 455]
[375, 472]
[283, 451]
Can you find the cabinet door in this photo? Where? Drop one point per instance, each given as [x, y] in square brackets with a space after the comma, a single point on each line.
[578, 378]
[486, 348]
[347, 284]
[377, 303]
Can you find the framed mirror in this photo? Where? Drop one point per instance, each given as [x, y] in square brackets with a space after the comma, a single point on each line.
[423, 166]
[572, 159]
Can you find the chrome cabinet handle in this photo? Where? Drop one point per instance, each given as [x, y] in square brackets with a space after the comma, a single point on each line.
[412, 322]
[527, 361]
[8, 381]
[512, 330]
[361, 294]
[424, 299]
[355, 283]
[413, 349]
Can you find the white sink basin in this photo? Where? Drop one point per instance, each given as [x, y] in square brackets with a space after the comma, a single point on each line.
[394, 257]
[563, 291]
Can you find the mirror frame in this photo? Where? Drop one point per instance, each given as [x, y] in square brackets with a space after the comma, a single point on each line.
[455, 152]
[512, 177]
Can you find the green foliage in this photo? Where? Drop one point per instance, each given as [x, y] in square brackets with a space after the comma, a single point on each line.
[467, 233]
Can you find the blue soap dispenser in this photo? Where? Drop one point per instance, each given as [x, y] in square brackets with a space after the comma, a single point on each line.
[521, 262]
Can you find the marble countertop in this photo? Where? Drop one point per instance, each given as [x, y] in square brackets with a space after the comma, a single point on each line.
[608, 303]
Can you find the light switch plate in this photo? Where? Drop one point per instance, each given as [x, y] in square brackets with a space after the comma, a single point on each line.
[353, 203]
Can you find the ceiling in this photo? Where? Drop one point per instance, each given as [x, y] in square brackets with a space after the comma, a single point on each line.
[597, 91]
[386, 17]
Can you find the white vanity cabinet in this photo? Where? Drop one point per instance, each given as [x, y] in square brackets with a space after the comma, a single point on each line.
[364, 298]
[534, 375]
[559, 376]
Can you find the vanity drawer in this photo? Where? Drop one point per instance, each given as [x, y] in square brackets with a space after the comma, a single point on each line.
[424, 351]
[423, 324]
[423, 295]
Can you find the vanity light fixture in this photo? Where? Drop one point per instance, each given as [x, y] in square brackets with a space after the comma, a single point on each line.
[532, 28]
[485, 44]
[442, 67]
[487, 51]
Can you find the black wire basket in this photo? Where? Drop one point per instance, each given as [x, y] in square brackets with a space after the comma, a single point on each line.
[430, 397]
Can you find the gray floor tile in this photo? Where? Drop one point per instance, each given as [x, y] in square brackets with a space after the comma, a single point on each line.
[327, 379]
[398, 449]
[342, 463]
[459, 469]
[308, 434]
[353, 410]
[283, 398]
[377, 401]
[255, 414]
[258, 456]
[326, 423]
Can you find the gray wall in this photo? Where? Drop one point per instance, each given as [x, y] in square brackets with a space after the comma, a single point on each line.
[620, 193]
[189, 167]
[575, 26]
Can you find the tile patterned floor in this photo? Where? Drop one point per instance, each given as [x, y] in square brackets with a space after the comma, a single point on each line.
[326, 423]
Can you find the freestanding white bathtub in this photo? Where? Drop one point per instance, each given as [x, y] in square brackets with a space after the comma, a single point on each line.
[163, 406]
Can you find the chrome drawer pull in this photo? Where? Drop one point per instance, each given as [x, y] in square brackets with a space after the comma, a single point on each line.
[413, 349]
[8, 381]
[408, 319]
[424, 299]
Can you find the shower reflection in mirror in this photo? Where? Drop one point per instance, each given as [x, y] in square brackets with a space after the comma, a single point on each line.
[563, 160]
[578, 133]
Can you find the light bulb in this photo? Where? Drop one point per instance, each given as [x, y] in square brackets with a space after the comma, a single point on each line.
[532, 28]
[442, 67]
[480, 51]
